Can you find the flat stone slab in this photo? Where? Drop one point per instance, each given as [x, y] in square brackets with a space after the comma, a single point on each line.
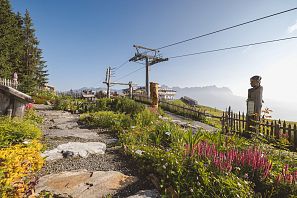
[84, 184]
[80, 133]
[146, 194]
[78, 149]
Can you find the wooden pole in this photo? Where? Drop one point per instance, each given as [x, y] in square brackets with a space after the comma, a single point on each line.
[147, 85]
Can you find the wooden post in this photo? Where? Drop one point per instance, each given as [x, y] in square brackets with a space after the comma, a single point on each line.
[130, 90]
[295, 136]
[154, 94]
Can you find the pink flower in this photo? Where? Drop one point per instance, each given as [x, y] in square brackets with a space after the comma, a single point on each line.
[29, 106]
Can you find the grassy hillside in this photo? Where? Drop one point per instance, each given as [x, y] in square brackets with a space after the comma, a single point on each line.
[210, 110]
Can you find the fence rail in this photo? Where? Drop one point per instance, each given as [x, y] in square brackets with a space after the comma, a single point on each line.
[9, 83]
[233, 122]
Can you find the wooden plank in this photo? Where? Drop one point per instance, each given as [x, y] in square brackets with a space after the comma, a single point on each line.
[284, 131]
[266, 128]
[223, 122]
[239, 122]
[276, 130]
[295, 136]
[234, 121]
[271, 134]
[242, 121]
[289, 133]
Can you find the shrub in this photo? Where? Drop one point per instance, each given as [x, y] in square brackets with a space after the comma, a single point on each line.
[128, 106]
[105, 119]
[13, 131]
[17, 165]
[32, 116]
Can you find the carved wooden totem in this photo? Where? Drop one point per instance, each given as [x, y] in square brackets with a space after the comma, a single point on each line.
[254, 103]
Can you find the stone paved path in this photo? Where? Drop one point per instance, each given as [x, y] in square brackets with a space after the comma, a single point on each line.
[86, 163]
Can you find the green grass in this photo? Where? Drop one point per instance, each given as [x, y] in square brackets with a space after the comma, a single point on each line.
[210, 110]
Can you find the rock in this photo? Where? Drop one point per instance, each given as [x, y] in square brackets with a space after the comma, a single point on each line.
[80, 133]
[146, 194]
[84, 184]
[77, 148]
[112, 141]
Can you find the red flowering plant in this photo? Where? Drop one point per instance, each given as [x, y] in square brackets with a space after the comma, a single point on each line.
[250, 163]
[286, 176]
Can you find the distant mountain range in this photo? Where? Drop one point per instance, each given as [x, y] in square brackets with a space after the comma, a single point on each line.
[222, 98]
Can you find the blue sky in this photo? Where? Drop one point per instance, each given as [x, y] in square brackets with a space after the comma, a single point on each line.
[80, 38]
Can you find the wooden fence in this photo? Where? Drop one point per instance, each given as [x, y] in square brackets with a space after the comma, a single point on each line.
[271, 129]
[233, 122]
[9, 83]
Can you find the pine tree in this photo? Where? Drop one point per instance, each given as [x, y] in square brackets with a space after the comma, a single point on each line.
[41, 72]
[11, 45]
[34, 73]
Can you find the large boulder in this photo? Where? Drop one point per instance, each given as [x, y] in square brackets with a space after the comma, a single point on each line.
[82, 183]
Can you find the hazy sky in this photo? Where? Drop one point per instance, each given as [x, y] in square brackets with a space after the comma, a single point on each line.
[80, 38]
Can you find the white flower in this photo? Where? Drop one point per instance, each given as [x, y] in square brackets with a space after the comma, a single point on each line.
[237, 168]
[167, 133]
[26, 142]
[132, 127]
[139, 152]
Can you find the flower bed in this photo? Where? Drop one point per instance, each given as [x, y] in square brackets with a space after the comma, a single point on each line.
[19, 154]
[201, 164]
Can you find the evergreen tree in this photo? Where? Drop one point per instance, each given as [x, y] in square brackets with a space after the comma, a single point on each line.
[11, 45]
[41, 72]
[34, 73]
[19, 50]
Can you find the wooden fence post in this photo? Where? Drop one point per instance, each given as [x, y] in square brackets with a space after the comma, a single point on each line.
[276, 130]
[223, 122]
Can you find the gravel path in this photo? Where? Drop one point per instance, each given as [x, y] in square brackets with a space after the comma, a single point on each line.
[61, 127]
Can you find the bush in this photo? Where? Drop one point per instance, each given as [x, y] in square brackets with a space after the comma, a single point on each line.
[128, 106]
[17, 165]
[13, 131]
[32, 116]
[106, 119]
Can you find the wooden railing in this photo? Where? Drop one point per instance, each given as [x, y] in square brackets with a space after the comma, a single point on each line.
[9, 83]
[186, 111]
